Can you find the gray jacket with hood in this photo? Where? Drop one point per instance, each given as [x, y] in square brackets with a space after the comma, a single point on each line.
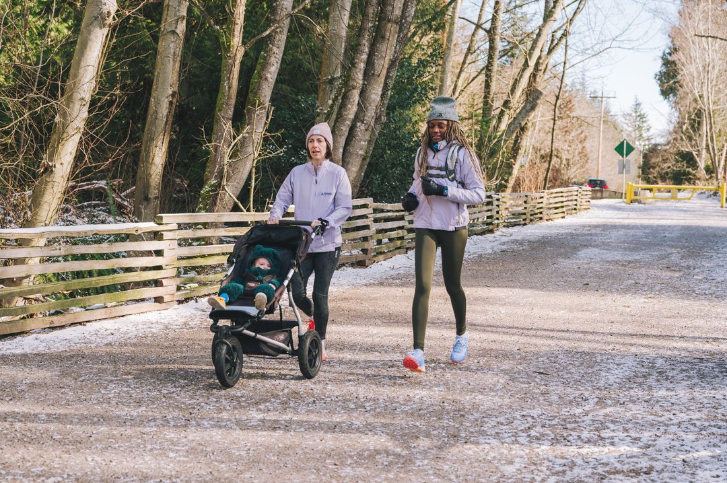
[450, 212]
[325, 194]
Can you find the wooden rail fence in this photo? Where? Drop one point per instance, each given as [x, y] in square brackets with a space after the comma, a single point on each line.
[60, 275]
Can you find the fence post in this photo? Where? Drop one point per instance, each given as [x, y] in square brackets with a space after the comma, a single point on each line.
[169, 255]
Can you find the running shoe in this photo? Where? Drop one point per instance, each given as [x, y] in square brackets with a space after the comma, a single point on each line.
[414, 361]
[459, 351]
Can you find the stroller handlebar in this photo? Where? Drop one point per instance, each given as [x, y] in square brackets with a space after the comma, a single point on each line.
[316, 231]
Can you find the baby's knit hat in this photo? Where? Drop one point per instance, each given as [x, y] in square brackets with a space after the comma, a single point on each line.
[268, 253]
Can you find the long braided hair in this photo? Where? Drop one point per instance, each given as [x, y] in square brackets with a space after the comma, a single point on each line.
[453, 133]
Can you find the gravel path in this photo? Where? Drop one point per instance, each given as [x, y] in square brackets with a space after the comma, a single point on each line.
[598, 351]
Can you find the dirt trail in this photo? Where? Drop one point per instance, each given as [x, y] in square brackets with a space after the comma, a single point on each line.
[598, 352]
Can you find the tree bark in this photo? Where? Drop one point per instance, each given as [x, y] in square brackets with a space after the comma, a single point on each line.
[222, 131]
[520, 123]
[68, 126]
[534, 53]
[555, 112]
[72, 113]
[256, 109]
[332, 64]
[352, 91]
[402, 37]
[493, 54]
[470, 47]
[444, 73]
[379, 60]
[157, 129]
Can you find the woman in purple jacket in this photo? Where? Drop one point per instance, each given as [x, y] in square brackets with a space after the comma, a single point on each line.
[320, 190]
[447, 178]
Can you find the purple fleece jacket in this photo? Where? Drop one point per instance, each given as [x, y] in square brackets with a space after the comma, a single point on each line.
[450, 212]
[326, 194]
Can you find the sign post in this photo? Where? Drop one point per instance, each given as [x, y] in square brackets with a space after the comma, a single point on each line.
[624, 148]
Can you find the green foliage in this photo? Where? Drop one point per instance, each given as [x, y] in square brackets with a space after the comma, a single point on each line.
[668, 75]
[39, 39]
[389, 172]
[662, 165]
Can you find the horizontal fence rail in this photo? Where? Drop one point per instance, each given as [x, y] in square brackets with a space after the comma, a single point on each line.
[670, 192]
[60, 275]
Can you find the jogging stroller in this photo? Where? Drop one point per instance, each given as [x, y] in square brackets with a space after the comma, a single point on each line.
[248, 332]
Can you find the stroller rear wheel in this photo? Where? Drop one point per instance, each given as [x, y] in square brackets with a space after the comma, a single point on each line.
[227, 359]
[309, 354]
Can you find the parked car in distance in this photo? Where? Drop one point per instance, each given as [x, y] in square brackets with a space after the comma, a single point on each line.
[597, 183]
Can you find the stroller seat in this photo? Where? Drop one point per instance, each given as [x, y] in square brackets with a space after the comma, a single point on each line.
[248, 332]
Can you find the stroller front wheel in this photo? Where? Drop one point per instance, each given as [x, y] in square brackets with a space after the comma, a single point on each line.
[309, 354]
[227, 358]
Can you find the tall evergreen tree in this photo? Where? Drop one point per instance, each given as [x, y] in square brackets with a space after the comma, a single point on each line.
[638, 127]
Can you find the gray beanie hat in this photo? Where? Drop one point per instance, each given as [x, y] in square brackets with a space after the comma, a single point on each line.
[443, 108]
[322, 129]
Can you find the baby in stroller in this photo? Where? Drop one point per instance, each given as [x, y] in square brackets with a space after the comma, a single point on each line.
[260, 280]
[282, 248]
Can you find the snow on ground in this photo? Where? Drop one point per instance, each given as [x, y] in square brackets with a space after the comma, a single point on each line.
[604, 212]
[597, 353]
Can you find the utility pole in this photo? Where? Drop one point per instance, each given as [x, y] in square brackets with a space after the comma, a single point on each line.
[600, 131]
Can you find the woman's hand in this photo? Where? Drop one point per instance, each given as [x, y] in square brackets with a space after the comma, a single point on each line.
[315, 223]
[272, 221]
[410, 202]
[431, 188]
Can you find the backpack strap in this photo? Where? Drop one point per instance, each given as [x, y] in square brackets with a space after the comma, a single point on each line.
[448, 170]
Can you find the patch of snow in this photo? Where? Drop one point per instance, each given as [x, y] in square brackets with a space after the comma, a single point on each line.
[604, 212]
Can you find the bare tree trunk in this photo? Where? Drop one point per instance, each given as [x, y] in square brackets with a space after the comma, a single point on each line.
[555, 112]
[352, 92]
[535, 66]
[534, 53]
[256, 109]
[379, 60]
[402, 37]
[493, 54]
[159, 117]
[332, 64]
[72, 113]
[222, 132]
[470, 47]
[444, 73]
[69, 124]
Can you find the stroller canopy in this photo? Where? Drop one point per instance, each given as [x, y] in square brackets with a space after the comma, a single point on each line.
[291, 243]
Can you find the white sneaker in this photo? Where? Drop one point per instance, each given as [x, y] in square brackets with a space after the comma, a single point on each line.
[261, 300]
[217, 302]
[414, 361]
[459, 351]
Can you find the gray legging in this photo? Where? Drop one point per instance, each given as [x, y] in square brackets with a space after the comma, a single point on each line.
[323, 264]
[452, 244]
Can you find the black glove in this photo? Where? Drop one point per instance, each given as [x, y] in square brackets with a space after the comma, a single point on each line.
[430, 188]
[410, 202]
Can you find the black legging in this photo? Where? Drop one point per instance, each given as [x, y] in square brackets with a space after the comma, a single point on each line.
[452, 244]
[323, 264]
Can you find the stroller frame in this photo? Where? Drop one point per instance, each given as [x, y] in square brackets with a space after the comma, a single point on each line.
[248, 325]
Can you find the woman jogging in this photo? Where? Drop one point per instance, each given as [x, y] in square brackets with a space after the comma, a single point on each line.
[447, 178]
[321, 192]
